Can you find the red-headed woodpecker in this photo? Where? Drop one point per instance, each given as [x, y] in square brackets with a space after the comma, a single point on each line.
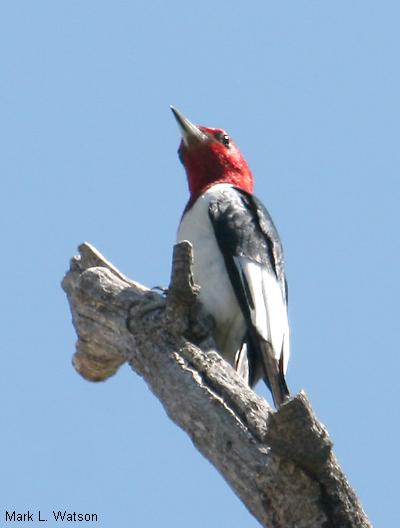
[238, 259]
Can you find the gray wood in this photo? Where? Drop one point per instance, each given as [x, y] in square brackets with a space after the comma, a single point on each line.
[280, 464]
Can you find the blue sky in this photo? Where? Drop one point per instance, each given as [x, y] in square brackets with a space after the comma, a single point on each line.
[310, 93]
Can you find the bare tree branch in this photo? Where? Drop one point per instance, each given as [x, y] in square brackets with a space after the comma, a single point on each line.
[280, 464]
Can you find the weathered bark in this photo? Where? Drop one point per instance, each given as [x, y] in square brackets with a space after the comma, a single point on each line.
[280, 464]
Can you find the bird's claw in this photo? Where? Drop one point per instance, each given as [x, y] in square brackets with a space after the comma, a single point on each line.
[201, 323]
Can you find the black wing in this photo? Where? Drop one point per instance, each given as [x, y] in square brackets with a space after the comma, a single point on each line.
[253, 257]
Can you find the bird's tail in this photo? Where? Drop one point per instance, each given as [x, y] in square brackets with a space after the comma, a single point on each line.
[256, 360]
[273, 373]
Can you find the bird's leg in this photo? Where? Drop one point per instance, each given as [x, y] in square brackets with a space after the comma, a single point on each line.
[201, 326]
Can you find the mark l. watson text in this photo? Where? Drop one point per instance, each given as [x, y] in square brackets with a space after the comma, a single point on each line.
[59, 516]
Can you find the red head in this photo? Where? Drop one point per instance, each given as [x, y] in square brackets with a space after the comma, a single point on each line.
[209, 157]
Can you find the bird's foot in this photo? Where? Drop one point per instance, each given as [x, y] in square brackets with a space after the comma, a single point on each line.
[201, 325]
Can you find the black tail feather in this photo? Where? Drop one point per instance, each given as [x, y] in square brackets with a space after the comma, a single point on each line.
[260, 363]
[273, 374]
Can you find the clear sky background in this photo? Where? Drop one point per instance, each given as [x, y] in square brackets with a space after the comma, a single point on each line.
[310, 93]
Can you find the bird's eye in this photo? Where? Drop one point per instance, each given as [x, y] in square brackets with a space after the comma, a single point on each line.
[222, 138]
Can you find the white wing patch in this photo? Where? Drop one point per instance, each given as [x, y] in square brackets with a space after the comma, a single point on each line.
[267, 306]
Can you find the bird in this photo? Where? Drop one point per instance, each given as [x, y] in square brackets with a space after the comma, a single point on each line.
[237, 257]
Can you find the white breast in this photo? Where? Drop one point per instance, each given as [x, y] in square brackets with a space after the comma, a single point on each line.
[216, 294]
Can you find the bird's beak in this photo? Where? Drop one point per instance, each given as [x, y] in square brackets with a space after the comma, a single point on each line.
[190, 133]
